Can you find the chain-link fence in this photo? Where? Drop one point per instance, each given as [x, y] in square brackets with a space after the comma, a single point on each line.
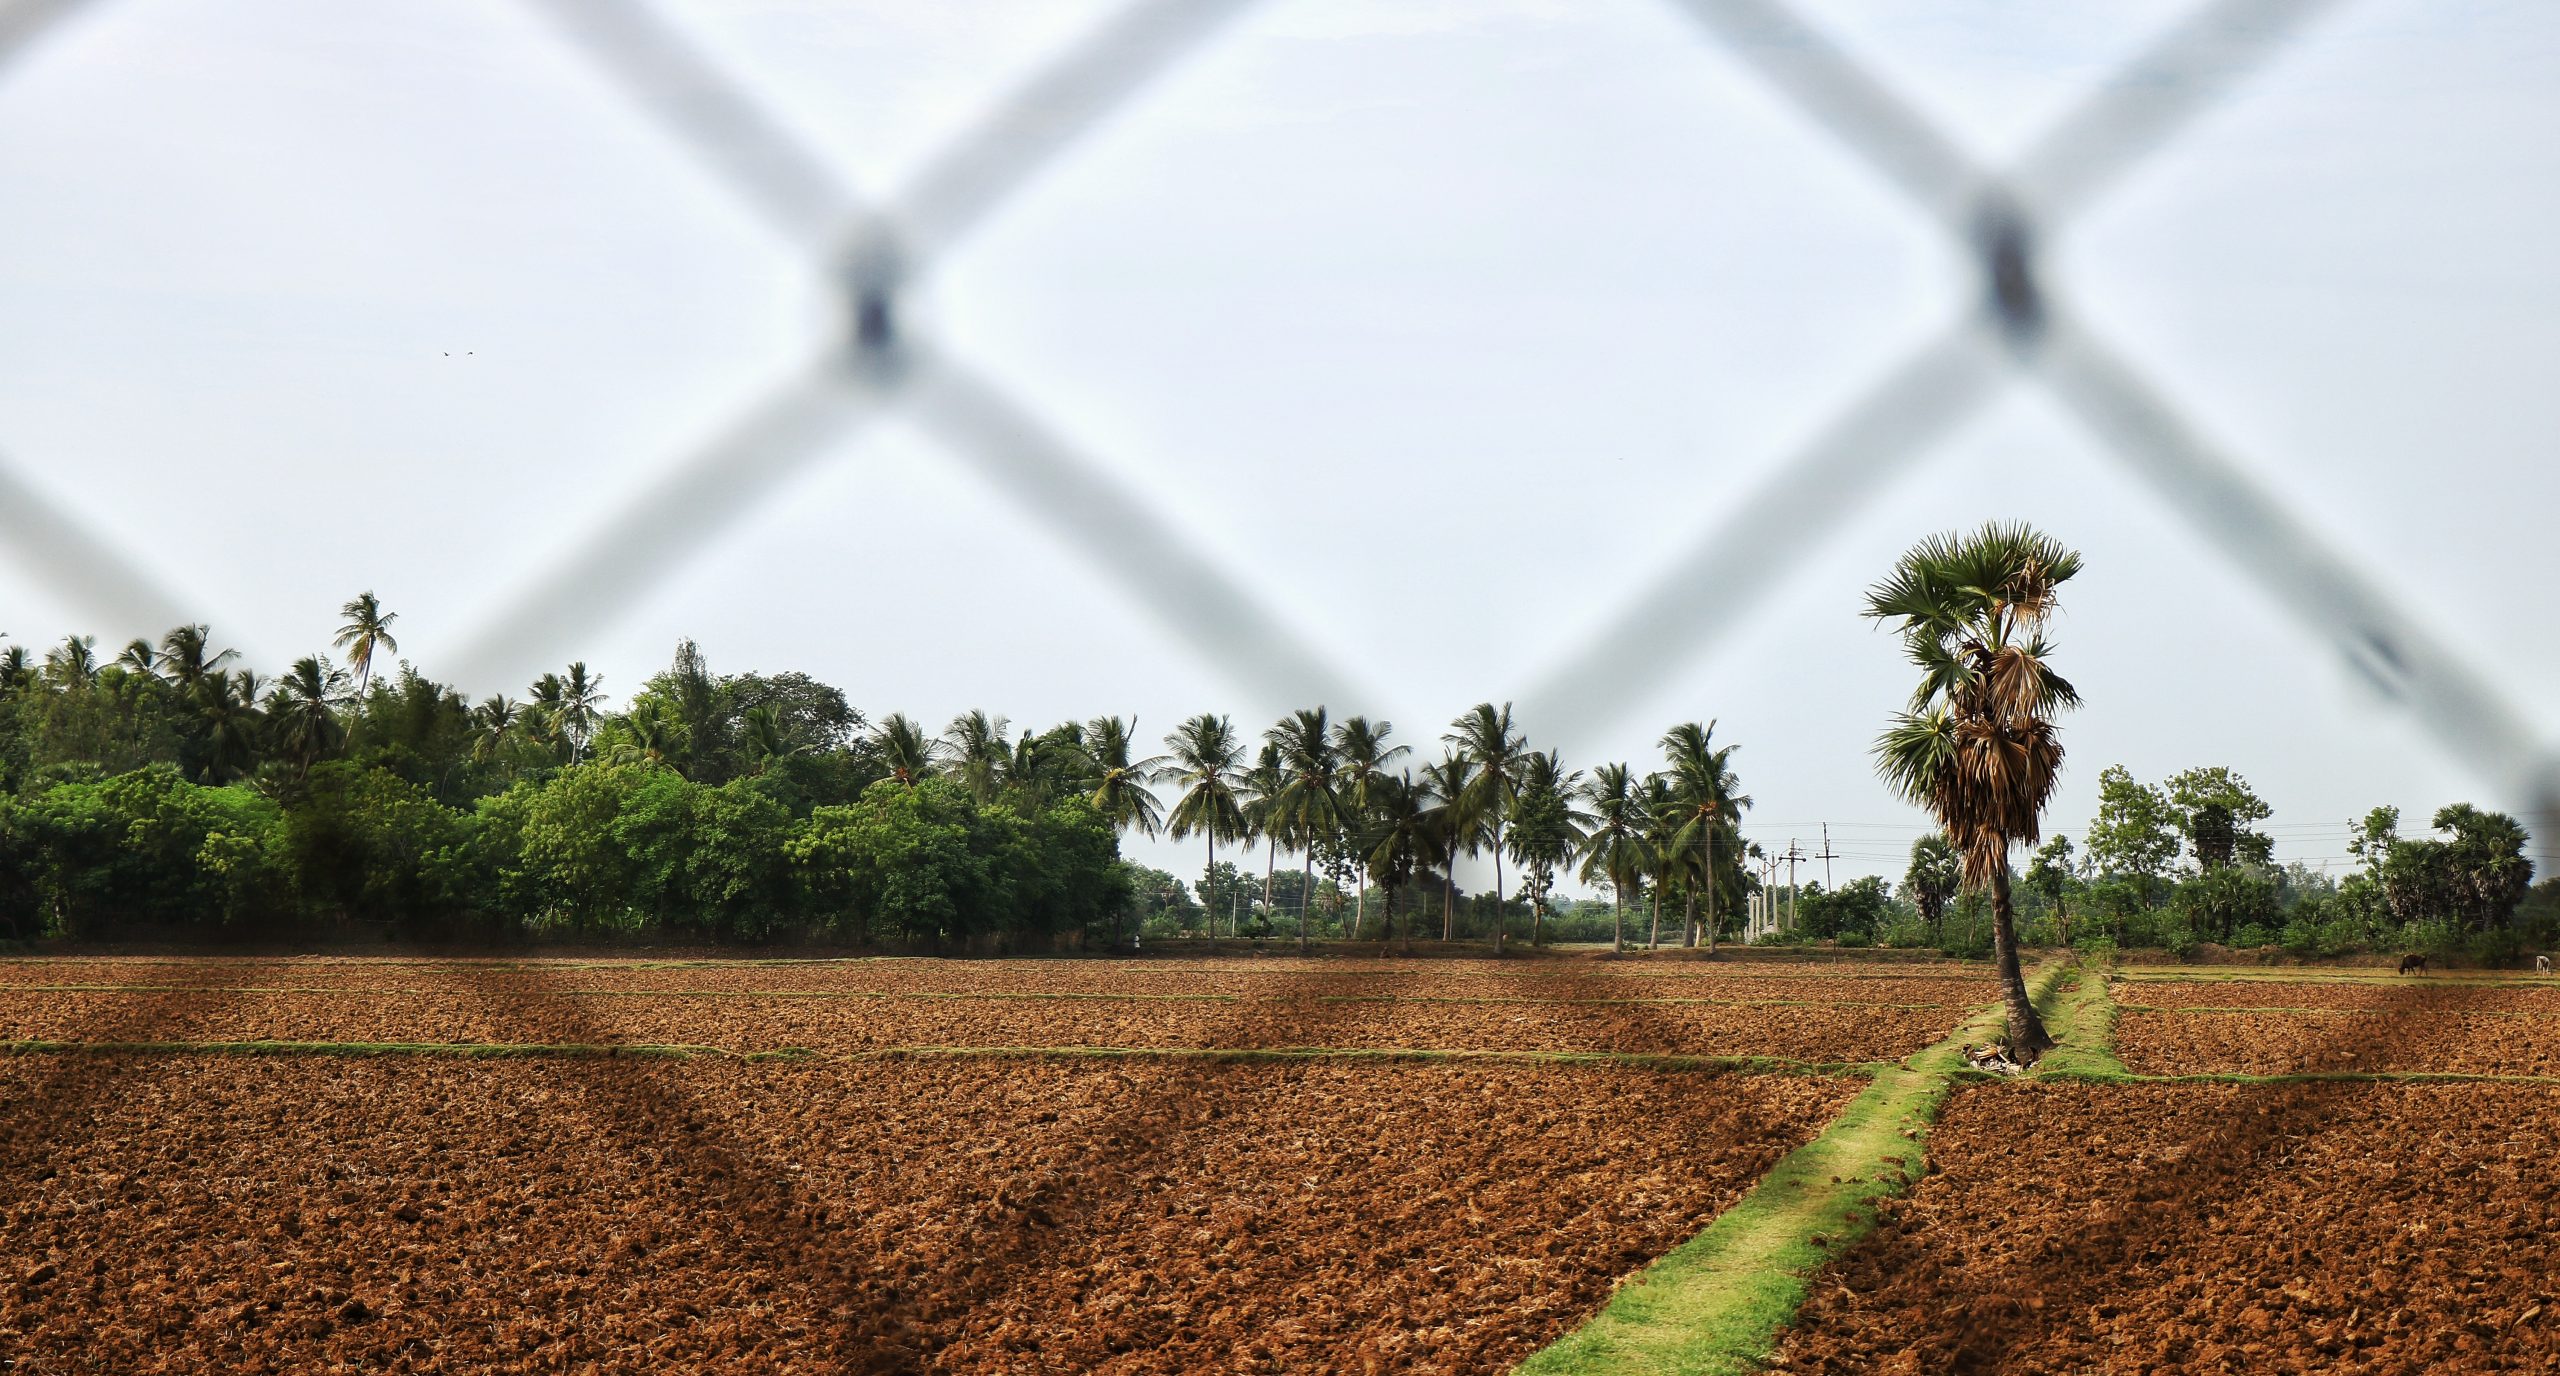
[2021, 326]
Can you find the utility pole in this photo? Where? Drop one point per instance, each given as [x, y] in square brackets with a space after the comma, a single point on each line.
[1795, 856]
[1825, 857]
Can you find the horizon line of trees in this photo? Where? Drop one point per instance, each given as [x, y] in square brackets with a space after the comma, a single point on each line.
[171, 786]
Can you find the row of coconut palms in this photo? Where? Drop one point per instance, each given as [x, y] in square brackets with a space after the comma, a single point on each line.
[1342, 795]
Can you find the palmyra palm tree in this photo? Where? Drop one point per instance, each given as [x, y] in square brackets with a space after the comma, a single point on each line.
[1614, 848]
[1361, 755]
[1120, 791]
[910, 754]
[1307, 800]
[1703, 819]
[1454, 826]
[1486, 735]
[1204, 753]
[366, 632]
[1977, 747]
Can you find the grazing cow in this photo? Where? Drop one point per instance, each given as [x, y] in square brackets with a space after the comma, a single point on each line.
[2542, 965]
[2417, 964]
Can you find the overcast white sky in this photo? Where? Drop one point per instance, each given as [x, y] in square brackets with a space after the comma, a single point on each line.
[1443, 324]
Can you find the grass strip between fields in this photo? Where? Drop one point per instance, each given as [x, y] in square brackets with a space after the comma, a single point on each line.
[872, 994]
[1508, 999]
[2378, 976]
[1716, 1304]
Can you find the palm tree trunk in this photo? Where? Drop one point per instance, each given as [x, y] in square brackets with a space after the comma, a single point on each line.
[1689, 920]
[1711, 898]
[1618, 918]
[2027, 1037]
[1306, 897]
[1653, 939]
[1449, 897]
[1360, 909]
[1270, 866]
[1501, 928]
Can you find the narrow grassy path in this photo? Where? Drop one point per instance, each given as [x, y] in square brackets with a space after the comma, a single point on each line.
[1716, 1303]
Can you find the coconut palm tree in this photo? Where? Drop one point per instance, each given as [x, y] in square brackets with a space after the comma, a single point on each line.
[581, 707]
[187, 655]
[73, 663]
[976, 746]
[1120, 791]
[1614, 847]
[761, 736]
[17, 669]
[228, 709]
[1663, 868]
[910, 754]
[303, 711]
[1361, 755]
[1264, 821]
[365, 633]
[1704, 818]
[139, 657]
[1398, 838]
[1977, 746]
[494, 724]
[1308, 799]
[1455, 826]
[1205, 754]
[1486, 735]
[1546, 830]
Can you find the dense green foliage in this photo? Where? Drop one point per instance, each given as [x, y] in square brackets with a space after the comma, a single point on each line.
[172, 792]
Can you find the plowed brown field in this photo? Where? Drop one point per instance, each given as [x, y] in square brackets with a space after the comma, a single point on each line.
[2411, 995]
[2438, 1040]
[190, 1213]
[870, 1006]
[2338, 1227]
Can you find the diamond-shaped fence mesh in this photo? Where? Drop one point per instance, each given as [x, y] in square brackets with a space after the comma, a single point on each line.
[2020, 328]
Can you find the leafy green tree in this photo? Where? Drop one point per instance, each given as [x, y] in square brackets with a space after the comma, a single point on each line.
[2474, 879]
[1858, 908]
[2054, 876]
[2214, 808]
[1978, 747]
[2224, 901]
[2135, 833]
[366, 844]
[899, 861]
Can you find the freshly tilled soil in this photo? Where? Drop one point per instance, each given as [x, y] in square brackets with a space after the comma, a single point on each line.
[2331, 1227]
[607, 1216]
[2441, 1040]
